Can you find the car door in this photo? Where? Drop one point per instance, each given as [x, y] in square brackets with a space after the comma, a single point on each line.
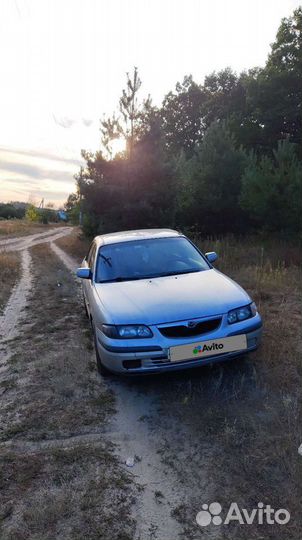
[88, 283]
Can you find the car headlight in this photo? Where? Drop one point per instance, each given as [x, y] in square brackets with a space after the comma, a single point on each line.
[242, 313]
[126, 331]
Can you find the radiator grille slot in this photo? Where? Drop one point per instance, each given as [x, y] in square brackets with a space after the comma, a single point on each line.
[183, 331]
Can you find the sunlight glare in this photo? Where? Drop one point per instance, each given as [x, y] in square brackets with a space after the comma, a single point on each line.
[118, 145]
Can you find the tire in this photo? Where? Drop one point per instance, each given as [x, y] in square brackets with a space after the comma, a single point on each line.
[100, 367]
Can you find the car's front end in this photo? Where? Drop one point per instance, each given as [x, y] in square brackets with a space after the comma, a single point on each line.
[199, 341]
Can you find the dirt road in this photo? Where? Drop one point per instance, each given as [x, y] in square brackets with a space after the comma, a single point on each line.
[192, 438]
[25, 242]
[17, 300]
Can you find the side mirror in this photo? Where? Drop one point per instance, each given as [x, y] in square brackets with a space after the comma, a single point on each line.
[84, 273]
[211, 256]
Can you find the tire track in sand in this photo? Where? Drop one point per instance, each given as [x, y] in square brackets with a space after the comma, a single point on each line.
[13, 311]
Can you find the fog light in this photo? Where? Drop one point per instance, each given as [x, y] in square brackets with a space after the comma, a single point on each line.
[132, 364]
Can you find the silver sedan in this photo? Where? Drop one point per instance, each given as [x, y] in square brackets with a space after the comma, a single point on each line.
[156, 304]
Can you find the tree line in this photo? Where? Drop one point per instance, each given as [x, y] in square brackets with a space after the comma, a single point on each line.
[222, 156]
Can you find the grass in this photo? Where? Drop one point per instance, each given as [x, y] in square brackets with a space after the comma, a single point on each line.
[10, 228]
[64, 494]
[10, 271]
[247, 415]
[270, 270]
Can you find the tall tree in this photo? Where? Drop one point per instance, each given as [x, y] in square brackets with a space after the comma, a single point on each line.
[272, 189]
[130, 109]
[276, 93]
[182, 120]
[135, 117]
[215, 173]
[224, 96]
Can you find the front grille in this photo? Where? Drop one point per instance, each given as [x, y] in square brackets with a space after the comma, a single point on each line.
[183, 331]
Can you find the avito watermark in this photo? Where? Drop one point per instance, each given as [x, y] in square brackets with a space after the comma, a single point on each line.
[262, 514]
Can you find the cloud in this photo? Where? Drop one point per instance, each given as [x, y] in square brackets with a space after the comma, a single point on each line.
[64, 121]
[31, 171]
[39, 171]
[86, 122]
[38, 154]
[67, 122]
[23, 189]
[23, 173]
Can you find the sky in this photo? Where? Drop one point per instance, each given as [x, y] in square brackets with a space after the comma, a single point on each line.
[64, 63]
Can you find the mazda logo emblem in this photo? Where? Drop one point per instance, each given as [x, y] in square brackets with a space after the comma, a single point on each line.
[191, 324]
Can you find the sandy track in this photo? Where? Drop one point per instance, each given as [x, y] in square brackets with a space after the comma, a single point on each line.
[17, 300]
[69, 262]
[135, 438]
[13, 310]
[25, 242]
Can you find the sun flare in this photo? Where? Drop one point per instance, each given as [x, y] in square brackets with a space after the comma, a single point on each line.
[118, 145]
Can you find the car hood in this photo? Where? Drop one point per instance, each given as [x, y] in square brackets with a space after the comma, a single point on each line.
[170, 298]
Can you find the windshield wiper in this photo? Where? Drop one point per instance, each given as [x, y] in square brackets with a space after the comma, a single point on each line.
[119, 278]
[106, 259]
[179, 272]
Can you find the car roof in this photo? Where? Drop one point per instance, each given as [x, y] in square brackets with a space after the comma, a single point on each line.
[140, 234]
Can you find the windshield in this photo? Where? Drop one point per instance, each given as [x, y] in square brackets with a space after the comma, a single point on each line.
[142, 259]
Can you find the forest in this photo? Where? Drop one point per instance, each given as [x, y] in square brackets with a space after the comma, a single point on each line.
[224, 156]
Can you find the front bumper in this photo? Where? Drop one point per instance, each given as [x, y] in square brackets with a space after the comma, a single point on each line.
[144, 356]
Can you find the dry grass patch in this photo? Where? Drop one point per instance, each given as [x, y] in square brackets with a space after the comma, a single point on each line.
[270, 270]
[10, 271]
[21, 227]
[69, 494]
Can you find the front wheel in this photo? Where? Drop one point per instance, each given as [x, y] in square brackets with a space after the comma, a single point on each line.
[100, 366]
